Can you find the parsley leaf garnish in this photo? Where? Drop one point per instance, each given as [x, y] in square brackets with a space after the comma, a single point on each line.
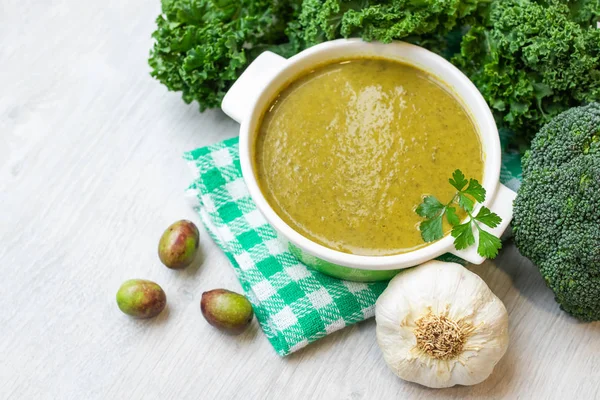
[463, 236]
[469, 192]
[430, 208]
[485, 216]
[431, 229]
[475, 190]
[488, 244]
[465, 202]
[458, 180]
[451, 216]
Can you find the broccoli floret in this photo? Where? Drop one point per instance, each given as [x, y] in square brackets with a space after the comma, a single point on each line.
[557, 210]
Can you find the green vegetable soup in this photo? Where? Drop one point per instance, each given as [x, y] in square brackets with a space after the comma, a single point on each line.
[346, 152]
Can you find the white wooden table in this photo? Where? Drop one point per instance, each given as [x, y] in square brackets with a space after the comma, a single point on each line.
[90, 175]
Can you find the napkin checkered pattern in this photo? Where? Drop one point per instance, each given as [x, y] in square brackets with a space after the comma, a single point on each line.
[294, 305]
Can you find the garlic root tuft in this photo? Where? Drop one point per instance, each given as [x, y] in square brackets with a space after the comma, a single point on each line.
[441, 337]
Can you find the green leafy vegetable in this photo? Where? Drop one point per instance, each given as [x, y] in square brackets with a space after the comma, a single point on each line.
[487, 217]
[430, 207]
[488, 244]
[475, 190]
[451, 216]
[458, 180]
[469, 191]
[431, 229]
[463, 235]
[202, 46]
[533, 59]
[384, 20]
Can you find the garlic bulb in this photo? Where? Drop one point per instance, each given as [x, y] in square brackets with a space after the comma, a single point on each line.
[440, 325]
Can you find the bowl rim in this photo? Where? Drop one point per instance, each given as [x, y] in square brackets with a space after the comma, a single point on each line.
[483, 119]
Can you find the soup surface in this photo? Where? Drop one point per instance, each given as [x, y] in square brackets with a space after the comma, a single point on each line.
[346, 152]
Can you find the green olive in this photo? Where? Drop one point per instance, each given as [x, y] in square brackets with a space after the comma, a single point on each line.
[141, 299]
[178, 245]
[226, 310]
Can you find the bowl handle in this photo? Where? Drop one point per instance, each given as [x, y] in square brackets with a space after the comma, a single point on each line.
[502, 204]
[239, 100]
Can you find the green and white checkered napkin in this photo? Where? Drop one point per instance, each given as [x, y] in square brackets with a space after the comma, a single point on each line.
[294, 305]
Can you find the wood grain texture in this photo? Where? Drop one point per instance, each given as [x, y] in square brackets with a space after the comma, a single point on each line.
[90, 175]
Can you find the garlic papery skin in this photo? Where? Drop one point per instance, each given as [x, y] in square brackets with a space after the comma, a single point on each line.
[439, 325]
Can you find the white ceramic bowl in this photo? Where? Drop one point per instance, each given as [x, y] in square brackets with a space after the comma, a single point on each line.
[267, 75]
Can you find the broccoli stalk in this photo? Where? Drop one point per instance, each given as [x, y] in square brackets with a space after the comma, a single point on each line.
[557, 209]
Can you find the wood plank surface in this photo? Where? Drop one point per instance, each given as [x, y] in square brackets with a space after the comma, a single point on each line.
[90, 175]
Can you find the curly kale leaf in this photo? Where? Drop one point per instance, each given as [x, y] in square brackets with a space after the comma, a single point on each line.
[383, 21]
[202, 46]
[534, 59]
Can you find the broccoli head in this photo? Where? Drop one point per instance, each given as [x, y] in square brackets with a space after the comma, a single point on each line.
[557, 210]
